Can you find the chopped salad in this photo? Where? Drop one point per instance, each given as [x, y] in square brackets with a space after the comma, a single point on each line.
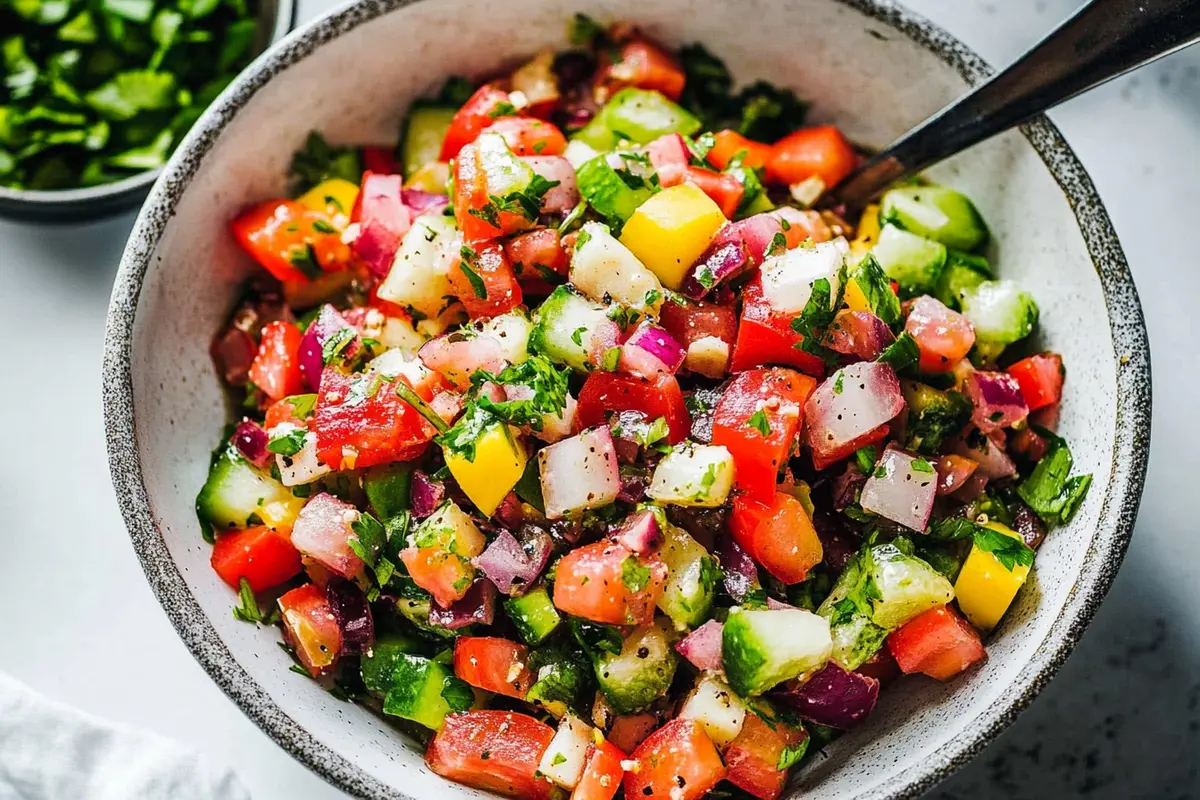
[581, 440]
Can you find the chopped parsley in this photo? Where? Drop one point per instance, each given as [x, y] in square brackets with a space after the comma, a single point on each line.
[817, 315]
[758, 421]
[838, 382]
[653, 297]
[1048, 490]
[457, 693]
[877, 289]
[336, 343]
[635, 576]
[759, 111]
[577, 335]
[901, 354]
[778, 245]
[288, 444]
[583, 238]
[791, 755]
[249, 611]
[1008, 550]
[921, 465]
[304, 258]
[469, 257]
[321, 226]
[610, 359]
[866, 458]
[585, 31]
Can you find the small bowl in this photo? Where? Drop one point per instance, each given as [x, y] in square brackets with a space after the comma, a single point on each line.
[275, 19]
[867, 65]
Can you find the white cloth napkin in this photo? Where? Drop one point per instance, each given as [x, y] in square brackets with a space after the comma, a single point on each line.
[50, 751]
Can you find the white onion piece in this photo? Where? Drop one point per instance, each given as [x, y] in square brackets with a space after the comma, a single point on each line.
[693, 475]
[708, 356]
[322, 531]
[579, 473]
[989, 452]
[554, 426]
[788, 278]
[302, 467]
[603, 269]
[716, 708]
[850, 403]
[563, 197]
[902, 488]
[564, 759]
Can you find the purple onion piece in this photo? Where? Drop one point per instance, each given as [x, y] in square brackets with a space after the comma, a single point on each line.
[779, 605]
[478, 606]
[425, 495]
[702, 646]
[659, 344]
[424, 202]
[741, 575]
[640, 533]
[998, 400]
[634, 483]
[323, 328]
[720, 263]
[251, 441]
[353, 614]
[832, 697]
[990, 453]
[512, 565]
[844, 490]
[859, 333]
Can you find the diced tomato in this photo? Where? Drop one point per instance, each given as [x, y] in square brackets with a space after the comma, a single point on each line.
[939, 643]
[379, 429]
[847, 450]
[638, 63]
[692, 321]
[539, 260]
[276, 368]
[471, 194]
[443, 574]
[802, 225]
[1040, 378]
[630, 730]
[881, 666]
[263, 556]
[722, 188]
[380, 160]
[604, 392]
[778, 534]
[758, 400]
[753, 757]
[481, 110]
[497, 751]
[678, 760]
[591, 583]
[670, 157]
[530, 137]
[484, 281]
[728, 144]
[493, 664]
[943, 336]
[601, 773]
[283, 236]
[282, 411]
[822, 152]
[765, 336]
[311, 628]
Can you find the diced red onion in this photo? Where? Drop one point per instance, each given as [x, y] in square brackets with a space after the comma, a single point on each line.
[457, 358]
[448, 405]
[322, 532]
[851, 403]
[634, 483]
[353, 614]
[741, 575]
[651, 351]
[640, 533]
[899, 491]
[779, 605]
[312, 360]
[425, 495]
[702, 646]
[251, 441]
[234, 352]
[669, 155]
[605, 336]
[997, 398]
[478, 606]
[383, 221]
[859, 333]
[844, 490]
[560, 198]
[737, 248]
[512, 566]
[1029, 525]
[973, 488]
[624, 425]
[509, 513]
[720, 263]
[953, 472]
[580, 472]
[832, 697]
[420, 202]
[989, 453]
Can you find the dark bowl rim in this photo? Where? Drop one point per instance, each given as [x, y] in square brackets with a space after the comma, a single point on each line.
[1101, 562]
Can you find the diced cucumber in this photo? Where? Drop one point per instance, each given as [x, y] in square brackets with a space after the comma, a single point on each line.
[414, 604]
[379, 664]
[387, 488]
[640, 673]
[603, 267]
[935, 212]
[534, 615]
[512, 331]
[416, 691]
[596, 135]
[506, 173]
[420, 273]
[237, 492]
[963, 271]
[907, 585]
[718, 710]
[761, 648]
[912, 261]
[562, 679]
[855, 637]
[579, 152]
[564, 759]
[606, 192]
[692, 577]
[1001, 311]
[424, 131]
[693, 475]
[932, 415]
[984, 355]
[641, 116]
[563, 327]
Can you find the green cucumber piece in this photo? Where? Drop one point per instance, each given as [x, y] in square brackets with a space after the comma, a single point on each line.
[692, 578]
[848, 608]
[638, 116]
[912, 261]
[562, 679]
[933, 415]
[506, 173]
[908, 587]
[416, 691]
[963, 271]
[236, 490]
[534, 615]
[761, 648]
[1001, 311]
[606, 192]
[935, 212]
[379, 663]
[387, 488]
[424, 131]
[563, 328]
[640, 673]
[855, 640]
[414, 604]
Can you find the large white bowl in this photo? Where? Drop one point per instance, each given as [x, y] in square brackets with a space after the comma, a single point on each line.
[870, 67]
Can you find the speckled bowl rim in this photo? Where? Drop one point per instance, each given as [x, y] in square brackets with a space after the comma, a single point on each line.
[1105, 552]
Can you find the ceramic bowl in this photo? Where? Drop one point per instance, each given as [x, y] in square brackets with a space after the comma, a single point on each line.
[275, 19]
[870, 67]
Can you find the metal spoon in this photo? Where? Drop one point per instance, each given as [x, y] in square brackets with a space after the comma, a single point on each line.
[1102, 40]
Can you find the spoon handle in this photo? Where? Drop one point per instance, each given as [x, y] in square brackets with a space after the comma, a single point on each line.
[1102, 40]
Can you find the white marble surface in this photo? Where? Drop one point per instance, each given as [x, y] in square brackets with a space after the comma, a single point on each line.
[1121, 721]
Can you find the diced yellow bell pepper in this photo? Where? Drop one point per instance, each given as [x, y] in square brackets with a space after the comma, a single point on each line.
[855, 299]
[671, 230]
[430, 178]
[498, 465]
[985, 588]
[335, 196]
[868, 231]
[281, 512]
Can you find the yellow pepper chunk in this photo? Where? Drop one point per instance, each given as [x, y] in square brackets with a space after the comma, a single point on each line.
[335, 197]
[498, 465]
[671, 230]
[430, 178]
[868, 231]
[985, 587]
[281, 512]
[855, 299]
